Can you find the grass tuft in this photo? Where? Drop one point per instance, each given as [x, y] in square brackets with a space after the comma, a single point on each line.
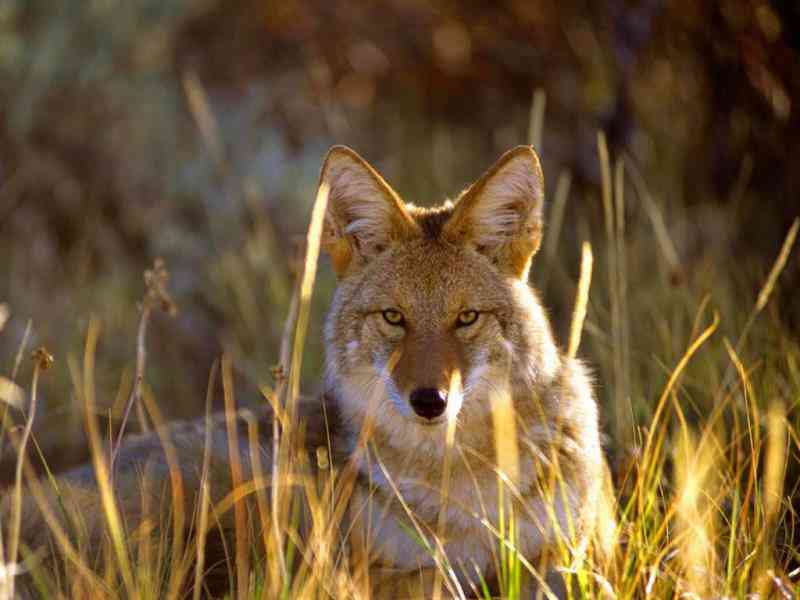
[703, 450]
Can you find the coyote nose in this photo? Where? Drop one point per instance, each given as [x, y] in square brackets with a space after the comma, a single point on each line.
[428, 402]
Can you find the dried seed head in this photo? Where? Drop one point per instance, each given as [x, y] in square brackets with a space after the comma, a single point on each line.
[278, 373]
[156, 280]
[42, 358]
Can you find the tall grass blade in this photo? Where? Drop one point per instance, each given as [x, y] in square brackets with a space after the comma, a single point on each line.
[536, 120]
[581, 300]
[242, 550]
[109, 505]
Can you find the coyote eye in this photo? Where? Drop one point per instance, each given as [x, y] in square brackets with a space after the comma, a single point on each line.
[466, 317]
[393, 317]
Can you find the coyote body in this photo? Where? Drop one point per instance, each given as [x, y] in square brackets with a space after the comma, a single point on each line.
[444, 388]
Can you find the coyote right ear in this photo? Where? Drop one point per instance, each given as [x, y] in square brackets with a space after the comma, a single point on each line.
[364, 214]
[500, 215]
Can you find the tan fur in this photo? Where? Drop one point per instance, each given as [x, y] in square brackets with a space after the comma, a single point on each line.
[473, 254]
[430, 265]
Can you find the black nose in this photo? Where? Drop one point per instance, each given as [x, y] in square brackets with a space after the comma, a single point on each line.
[429, 402]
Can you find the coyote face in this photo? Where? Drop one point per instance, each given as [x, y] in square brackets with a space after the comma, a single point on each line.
[433, 317]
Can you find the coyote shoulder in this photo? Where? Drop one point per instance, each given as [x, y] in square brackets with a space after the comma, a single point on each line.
[443, 384]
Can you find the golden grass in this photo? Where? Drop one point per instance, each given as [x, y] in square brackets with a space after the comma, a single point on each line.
[205, 493]
[536, 120]
[699, 509]
[581, 300]
[109, 503]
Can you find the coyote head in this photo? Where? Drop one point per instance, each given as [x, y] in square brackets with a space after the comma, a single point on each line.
[433, 316]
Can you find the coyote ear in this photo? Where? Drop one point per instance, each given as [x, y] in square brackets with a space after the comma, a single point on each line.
[500, 215]
[364, 215]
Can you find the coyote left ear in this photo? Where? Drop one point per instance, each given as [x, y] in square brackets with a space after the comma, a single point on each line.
[500, 215]
[364, 217]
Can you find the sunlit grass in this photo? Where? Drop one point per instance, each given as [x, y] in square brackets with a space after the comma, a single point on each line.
[700, 508]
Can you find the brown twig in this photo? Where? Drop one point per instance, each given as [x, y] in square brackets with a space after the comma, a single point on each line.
[42, 361]
[156, 295]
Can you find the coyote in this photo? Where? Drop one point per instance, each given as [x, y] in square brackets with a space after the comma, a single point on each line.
[437, 346]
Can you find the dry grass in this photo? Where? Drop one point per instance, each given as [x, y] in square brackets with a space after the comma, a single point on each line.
[702, 499]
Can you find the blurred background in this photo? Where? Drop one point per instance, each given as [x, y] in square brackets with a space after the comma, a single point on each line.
[194, 130]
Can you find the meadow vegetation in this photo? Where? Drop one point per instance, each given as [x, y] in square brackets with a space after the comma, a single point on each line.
[701, 451]
[673, 275]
